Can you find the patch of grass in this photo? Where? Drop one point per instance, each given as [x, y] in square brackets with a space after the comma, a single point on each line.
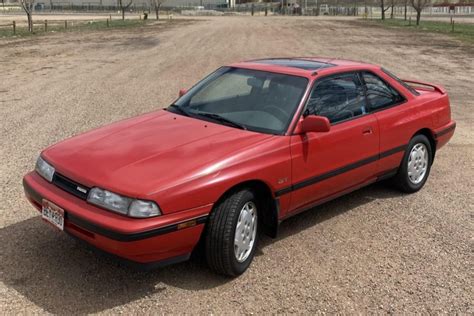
[72, 26]
[462, 31]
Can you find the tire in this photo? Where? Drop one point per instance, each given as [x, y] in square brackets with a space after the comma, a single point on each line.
[407, 181]
[221, 231]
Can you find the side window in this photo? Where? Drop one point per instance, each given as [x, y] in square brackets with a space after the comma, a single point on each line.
[379, 94]
[337, 98]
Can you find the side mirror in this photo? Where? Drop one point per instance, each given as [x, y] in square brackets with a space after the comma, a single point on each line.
[313, 124]
[182, 92]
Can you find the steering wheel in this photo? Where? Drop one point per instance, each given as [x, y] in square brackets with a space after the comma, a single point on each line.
[277, 112]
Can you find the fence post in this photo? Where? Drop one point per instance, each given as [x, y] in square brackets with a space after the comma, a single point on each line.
[452, 26]
[252, 9]
[46, 25]
[14, 27]
[409, 21]
[107, 22]
[266, 10]
[65, 24]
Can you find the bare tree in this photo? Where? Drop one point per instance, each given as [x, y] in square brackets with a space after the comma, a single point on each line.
[156, 4]
[123, 7]
[382, 6]
[419, 5]
[396, 3]
[405, 3]
[27, 6]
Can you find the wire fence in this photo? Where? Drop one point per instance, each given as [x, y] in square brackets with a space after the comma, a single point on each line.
[307, 7]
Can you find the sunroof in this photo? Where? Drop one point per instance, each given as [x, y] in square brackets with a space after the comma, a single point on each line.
[295, 63]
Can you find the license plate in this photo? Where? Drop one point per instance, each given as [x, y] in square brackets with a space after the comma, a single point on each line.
[53, 214]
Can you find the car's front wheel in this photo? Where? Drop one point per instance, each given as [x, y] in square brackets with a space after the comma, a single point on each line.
[416, 164]
[231, 236]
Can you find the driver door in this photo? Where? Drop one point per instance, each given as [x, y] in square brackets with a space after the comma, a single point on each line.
[327, 164]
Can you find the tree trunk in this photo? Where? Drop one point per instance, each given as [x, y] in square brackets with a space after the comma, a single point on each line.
[28, 8]
[123, 14]
[391, 12]
[30, 21]
[383, 11]
[418, 16]
[406, 8]
[157, 10]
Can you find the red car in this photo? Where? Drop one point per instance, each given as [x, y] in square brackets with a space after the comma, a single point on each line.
[245, 148]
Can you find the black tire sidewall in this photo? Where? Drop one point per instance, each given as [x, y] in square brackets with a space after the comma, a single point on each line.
[220, 233]
[403, 178]
[240, 267]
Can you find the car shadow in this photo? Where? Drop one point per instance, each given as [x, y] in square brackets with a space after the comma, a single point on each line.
[328, 210]
[63, 276]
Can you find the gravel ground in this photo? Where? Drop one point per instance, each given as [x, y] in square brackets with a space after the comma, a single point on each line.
[373, 251]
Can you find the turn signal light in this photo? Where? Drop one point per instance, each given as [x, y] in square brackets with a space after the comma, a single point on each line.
[187, 224]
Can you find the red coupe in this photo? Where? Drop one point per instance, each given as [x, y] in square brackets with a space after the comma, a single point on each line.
[248, 146]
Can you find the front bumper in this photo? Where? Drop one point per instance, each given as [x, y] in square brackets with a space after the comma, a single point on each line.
[167, 238]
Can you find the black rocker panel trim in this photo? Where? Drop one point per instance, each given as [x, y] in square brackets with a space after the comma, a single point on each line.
[445, 131]
[336, 172]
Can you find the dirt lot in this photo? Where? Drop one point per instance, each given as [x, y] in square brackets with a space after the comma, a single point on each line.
[374, 250]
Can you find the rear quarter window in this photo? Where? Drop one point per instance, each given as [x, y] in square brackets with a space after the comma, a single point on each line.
[380, 95]
[400, 81]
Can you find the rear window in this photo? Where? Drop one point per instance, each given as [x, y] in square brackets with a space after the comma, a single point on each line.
[400, 81]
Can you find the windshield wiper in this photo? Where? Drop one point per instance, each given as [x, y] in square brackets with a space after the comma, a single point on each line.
[221, 119]
[179, 109]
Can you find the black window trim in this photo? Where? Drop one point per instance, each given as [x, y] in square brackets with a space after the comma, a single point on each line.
[370, 109]
[362, 83]
[265, 61]
[358, 72]
[400, 82]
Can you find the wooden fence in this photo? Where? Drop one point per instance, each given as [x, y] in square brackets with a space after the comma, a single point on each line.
[11, 25]
[44, 25]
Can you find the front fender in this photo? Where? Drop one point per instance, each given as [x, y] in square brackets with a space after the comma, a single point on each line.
[269, 163]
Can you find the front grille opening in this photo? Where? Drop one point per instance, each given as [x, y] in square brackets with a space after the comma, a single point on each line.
[70, 186]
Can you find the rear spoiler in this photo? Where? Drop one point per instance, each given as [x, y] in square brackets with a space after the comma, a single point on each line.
[433, 86]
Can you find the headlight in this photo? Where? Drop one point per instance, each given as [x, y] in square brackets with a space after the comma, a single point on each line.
[44, 169]
[123, 205]
[109, 200]
[140, 208]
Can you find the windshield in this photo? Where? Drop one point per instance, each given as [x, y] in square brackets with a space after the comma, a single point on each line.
[243, 98]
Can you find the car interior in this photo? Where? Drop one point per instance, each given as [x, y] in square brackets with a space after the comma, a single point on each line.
[338, 98]
[265, 101]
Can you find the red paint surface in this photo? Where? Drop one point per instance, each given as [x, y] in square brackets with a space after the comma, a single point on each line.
[186, 165]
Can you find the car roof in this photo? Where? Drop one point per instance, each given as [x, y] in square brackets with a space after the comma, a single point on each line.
[302, 66]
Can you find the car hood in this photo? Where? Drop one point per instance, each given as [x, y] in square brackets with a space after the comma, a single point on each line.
[149, 153]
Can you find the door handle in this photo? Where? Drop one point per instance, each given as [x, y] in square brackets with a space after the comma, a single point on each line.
[367, 131]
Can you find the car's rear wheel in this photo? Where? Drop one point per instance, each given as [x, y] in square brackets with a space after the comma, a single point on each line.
[232, 231]
[416, 165]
